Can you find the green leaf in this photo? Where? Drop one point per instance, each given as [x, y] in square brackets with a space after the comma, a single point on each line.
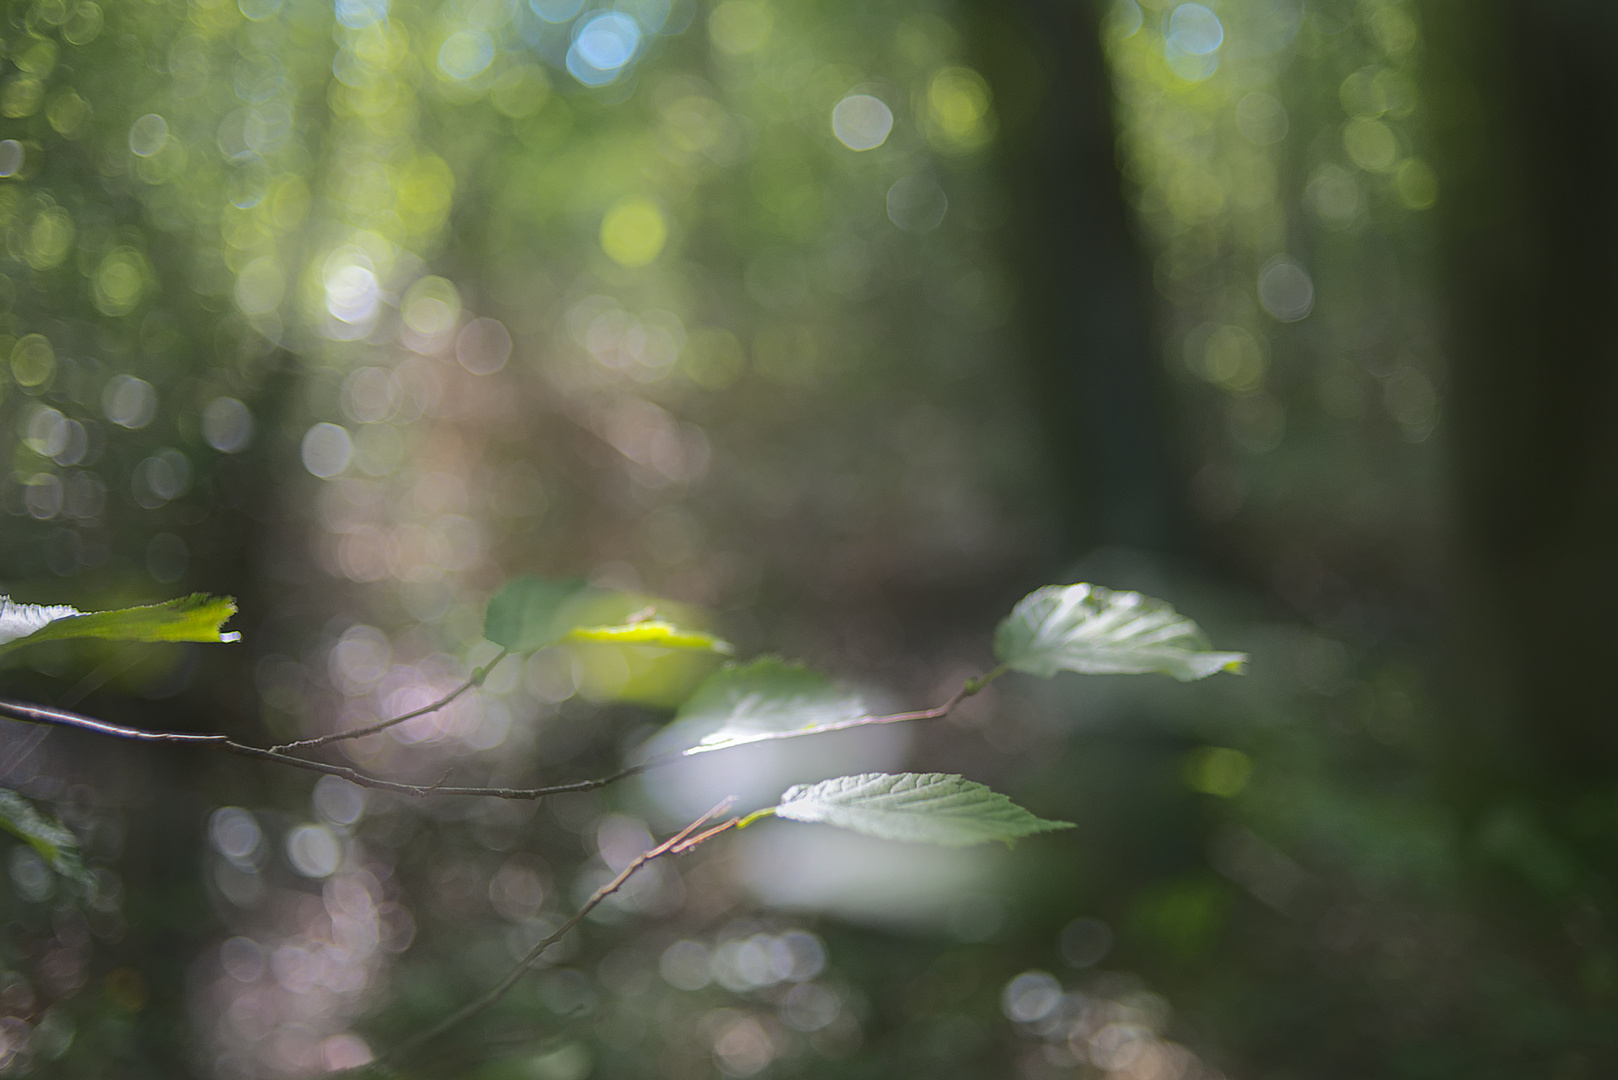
[50, 838]
[662, 635]
[928, 808]
[197, 617]
[530, 612]
[756, 701]
[1096, 631]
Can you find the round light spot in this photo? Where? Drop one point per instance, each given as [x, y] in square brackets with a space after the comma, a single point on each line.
[431, 306]
[326, 450]
[1086, 942]
[1031, 996]
[861, 122]
[483, 347]
[358, 14]
[129, 402]
[1195, 29]
[260, 286]
[33, 360]
[633, 232]
[917, 204]
[313, 851]
[466, 54]
[227, 424]
[148, 135]
[234, 833]
[1285, 289]
[339, 801]
[1417, 184]
[1262, 119]
[604, 45]
[11, 157]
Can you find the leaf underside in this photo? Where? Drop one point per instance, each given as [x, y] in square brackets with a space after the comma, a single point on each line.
[51, 839]
[1097, 631]
[197, 617]
[929, 808]
[756, 701]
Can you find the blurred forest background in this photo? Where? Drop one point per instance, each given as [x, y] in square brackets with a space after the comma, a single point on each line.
[839, 325]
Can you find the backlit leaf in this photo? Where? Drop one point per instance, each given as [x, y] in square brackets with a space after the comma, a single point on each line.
[1089, 629]
[197, 617]
[530, 612]
[929, 808]
[653, 632]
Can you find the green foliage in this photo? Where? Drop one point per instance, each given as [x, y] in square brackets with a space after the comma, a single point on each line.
[1096, 631]
[197, 617]
[756, 701]
[930, 808]
[653, 632]
[530, 613]
[54, 842]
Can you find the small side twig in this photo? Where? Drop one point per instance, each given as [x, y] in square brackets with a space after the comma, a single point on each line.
[681, 842]
[475, 680]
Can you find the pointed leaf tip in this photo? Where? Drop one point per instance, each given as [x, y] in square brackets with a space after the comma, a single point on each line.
[1092, 630]
[930, 808]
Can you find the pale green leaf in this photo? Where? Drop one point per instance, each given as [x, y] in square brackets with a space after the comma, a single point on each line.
[929, 808]
[50, 838]
[1096, 631]
[653, 632]
[756, 701]
[530, 612]
[197, 617]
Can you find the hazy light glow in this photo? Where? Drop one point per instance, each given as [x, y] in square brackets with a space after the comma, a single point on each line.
[1195, 30]
[326, 450]
[605, 44]
[861, 122]
[556, 11]
[466, 54]
[1285, 289]
[358, 14]
[917, 204]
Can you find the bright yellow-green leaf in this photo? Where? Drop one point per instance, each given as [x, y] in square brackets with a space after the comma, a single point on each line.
[197, 617]
[663, 635]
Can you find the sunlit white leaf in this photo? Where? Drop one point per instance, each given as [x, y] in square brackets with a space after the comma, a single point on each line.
[1089, 629]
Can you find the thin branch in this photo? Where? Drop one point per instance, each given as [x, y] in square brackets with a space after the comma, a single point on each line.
[43, 714]
[475, 680]
[968, 689]
[678, 844]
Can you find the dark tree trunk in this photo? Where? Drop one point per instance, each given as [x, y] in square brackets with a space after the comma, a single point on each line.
[1083, 304]
[1526, 111]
